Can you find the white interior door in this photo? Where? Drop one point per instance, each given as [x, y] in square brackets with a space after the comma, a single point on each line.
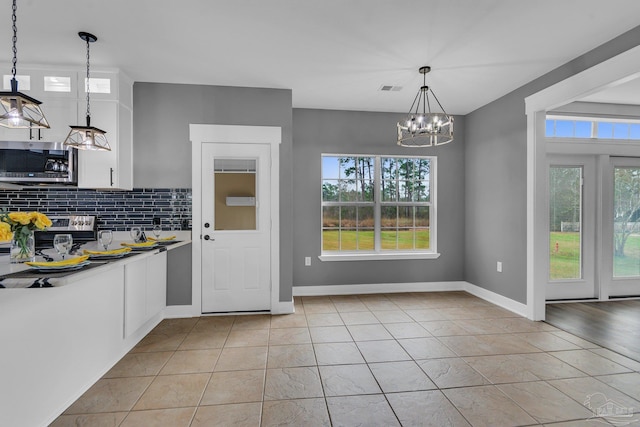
[571, 200]
[236, 223]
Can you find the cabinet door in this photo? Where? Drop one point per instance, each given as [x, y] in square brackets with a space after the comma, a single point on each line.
[57, 90]
[156, 284]
[135, 296]
[60, 113]
[99, 169]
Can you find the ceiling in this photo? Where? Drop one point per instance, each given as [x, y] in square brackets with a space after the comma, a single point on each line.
[333, 54]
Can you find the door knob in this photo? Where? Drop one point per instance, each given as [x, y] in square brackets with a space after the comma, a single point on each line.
[206, 237]
[206, 225]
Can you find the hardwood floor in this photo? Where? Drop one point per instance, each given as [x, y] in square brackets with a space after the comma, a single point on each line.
[612, 324]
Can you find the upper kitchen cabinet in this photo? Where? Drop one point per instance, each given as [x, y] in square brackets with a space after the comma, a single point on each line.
[111, 96]
[62, 91]
[57, 90]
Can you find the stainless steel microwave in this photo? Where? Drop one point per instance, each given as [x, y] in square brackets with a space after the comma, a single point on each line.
[37, 162]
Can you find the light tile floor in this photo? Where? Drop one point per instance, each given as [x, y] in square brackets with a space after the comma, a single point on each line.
[410, 359]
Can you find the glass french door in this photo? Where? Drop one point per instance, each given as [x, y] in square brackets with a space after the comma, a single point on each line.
[572, 228]
[622, 228]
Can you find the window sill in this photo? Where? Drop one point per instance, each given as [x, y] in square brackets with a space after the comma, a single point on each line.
[379, 257]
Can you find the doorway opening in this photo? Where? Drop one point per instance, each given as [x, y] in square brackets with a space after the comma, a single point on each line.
[615, 72]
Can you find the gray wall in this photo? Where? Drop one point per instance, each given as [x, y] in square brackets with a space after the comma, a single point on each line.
[179, 276]
[496, 180]
[162, 150]
[325, 131]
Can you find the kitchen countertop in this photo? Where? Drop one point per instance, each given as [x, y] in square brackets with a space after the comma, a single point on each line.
[182, 238]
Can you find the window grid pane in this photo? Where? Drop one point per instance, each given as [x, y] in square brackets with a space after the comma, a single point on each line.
[349, 218]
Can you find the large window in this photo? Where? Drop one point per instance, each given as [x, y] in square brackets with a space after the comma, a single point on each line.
[377, 205]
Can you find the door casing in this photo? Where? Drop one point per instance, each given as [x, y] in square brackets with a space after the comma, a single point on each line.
[200, 134]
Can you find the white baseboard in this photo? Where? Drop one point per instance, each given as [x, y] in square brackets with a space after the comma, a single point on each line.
[497, 299]
[283, 307]
[173, 311]
[380, 288]
[287, 307]
[377, 288]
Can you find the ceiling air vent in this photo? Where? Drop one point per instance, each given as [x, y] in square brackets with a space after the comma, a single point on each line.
[387, 88]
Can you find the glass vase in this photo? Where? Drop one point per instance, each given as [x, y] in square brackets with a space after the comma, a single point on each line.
[23, 247]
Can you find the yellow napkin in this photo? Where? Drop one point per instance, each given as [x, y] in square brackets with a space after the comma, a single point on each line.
[138, 245]
[63, 263]
[164, 239]
[111, 252]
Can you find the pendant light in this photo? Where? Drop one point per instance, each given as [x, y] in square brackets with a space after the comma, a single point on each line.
[425, 128]
[87, 137]
[17, 110]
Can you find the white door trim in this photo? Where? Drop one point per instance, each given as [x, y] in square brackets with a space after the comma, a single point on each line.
[617, 70]
[200, 134]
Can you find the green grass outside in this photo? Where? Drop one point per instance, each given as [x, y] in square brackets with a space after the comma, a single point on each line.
[364, 239]
[565, 263]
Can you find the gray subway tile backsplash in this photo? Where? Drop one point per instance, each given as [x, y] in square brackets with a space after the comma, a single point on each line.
[115, 210]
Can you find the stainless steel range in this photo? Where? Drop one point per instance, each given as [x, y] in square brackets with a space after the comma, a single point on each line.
[81, 227]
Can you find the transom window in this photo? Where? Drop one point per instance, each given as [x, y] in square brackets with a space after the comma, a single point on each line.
[592, 129]
[377, 204]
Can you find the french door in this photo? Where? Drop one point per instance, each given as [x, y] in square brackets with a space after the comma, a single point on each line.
[621, 196]
[571, 267]
[594, 227]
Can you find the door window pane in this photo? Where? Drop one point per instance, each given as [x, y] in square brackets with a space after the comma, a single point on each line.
[235, 201]
[626, 217]
[565, 222]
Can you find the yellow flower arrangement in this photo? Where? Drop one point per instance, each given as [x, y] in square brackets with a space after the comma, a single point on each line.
[19, 226]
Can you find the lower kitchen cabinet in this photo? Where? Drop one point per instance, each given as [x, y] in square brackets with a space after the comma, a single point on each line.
[145, 287]
[57, 342]
[156, 284]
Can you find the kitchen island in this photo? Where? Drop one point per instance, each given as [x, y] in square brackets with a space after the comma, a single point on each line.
[58, 341]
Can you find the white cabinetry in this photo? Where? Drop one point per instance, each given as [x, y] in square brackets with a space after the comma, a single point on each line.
[62, 91]
[112, 113]
[57, 89]
[156, 284]
[145, 289]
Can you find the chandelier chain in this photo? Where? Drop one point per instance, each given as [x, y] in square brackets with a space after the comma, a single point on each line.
[87, 88]
[15, 39]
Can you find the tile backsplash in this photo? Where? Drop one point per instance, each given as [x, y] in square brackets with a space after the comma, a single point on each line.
[115, 210]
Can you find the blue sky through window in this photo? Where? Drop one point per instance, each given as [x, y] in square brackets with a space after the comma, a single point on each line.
[558, 128]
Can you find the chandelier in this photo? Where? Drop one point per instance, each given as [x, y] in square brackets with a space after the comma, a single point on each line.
[423, 127]
[87, 137]
[17, 110]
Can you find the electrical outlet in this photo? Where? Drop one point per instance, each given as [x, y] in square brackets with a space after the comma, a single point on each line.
[499, 266]
[307, 261]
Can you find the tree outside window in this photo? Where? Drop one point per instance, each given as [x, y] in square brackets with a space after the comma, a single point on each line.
[377, 203]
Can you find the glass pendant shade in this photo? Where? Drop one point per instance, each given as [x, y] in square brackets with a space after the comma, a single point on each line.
[87, 138]
[18, 110]
[425, 128]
